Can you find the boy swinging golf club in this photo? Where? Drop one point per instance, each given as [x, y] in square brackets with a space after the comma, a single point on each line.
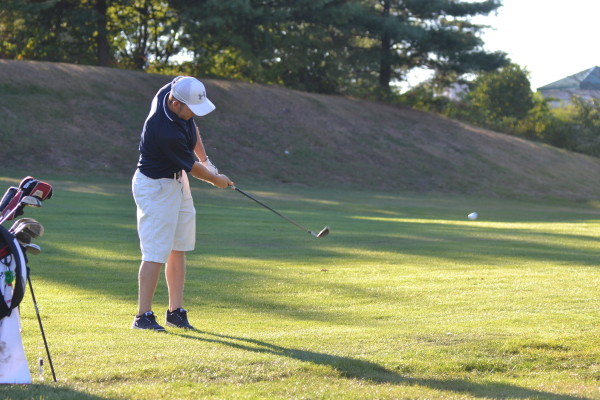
[166, 216]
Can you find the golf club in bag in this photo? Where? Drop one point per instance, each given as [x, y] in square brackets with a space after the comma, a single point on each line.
[321, 233]
[15, 244]
[30, 192]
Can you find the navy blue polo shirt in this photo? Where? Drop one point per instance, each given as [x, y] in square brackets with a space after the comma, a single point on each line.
[167, 142]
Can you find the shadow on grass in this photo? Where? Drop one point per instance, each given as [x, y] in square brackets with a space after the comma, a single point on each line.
[46, 392]
[365, 370]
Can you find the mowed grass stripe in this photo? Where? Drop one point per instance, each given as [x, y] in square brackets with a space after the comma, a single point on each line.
[406, 298]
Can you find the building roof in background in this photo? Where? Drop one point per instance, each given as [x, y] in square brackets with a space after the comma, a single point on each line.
[584, 80]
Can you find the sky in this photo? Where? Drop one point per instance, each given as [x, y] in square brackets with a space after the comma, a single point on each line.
[551, 39]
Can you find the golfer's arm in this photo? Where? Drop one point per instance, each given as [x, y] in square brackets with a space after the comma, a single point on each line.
[199, 149]
[199, 171]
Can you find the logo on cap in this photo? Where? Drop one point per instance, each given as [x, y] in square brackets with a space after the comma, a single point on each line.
[201, 96]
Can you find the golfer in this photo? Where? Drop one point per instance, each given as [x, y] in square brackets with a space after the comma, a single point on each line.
[166, 218]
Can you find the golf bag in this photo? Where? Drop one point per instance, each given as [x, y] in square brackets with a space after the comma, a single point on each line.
[13, 278]
[14, 275]
[10, 205]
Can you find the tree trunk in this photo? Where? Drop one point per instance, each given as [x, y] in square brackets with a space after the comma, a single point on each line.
[103, 48]
[140, 56]
[385, 66]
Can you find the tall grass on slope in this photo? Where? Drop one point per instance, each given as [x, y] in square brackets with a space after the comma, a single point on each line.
[90, 119]
[406, 298]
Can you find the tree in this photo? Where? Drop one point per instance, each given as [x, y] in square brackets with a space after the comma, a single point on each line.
[503, 94]
[435, 34]
[10, 27]
[59, 30]
[327, 46]
[335, 45]
[144, 31]
[126, 32]
[582, 118]
[102, 41]
[301, 44]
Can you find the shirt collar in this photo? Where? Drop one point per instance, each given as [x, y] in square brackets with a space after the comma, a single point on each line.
[170, 114]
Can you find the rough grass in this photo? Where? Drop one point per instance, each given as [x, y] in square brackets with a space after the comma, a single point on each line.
[77, 119]
[406, 298]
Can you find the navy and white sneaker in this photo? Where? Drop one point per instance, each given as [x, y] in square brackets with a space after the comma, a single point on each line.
[178, 319]
[147, 321]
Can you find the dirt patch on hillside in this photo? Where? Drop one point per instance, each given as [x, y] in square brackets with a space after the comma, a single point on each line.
[72, 118]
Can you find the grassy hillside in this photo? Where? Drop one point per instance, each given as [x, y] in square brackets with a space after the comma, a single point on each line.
[78, 119]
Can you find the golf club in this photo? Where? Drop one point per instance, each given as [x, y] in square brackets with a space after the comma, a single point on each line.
[25, 201]
[322, 233]
[29, 226]
[23, 237]
[31, 248]
[37, 311]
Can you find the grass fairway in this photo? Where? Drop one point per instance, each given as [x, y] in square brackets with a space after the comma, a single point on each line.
[406, 298]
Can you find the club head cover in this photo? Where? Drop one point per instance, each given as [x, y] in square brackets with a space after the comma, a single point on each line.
[8, 196]
[10, 204]
[33, 187]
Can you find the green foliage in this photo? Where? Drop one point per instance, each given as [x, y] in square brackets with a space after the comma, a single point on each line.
[503, 101]
[428, 34]
[130, 33]
[502, 95]
[328, 46]
[143, 32]
[59, 30]
[424, 97]
[581, 119]
[574, 127]
[301, 45]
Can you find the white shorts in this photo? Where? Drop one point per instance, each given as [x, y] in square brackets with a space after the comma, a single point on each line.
[166, 217]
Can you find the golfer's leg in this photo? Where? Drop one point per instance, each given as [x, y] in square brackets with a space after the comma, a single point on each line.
[175, 274]
[147, 281]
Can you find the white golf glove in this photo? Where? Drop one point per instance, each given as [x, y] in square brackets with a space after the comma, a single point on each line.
[210, 166]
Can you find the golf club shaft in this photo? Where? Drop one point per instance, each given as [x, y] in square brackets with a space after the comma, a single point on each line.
[270, 209]
[37, 312]
[7, 216]
[25, 201]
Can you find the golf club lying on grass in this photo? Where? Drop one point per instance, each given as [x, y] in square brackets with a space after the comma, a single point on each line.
[322, 233]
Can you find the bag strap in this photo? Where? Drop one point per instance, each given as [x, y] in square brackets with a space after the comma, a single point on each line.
[20, 261]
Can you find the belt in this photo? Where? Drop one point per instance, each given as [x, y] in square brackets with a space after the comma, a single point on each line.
[175, 175]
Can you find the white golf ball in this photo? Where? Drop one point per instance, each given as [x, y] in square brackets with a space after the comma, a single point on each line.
[473, 216]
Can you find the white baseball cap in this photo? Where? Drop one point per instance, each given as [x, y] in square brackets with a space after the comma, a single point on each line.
[191, 92]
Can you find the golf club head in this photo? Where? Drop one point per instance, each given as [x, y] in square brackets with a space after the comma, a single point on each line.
[323, 232]
[31, 201]
[23, 237]
[32, 248]
[22, 221]
[34, 229]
